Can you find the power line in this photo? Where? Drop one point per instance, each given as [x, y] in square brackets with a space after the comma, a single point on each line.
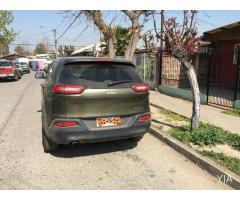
[208, 23]
[69, 26]
[36, 34]
[80, 33]
[32, 44]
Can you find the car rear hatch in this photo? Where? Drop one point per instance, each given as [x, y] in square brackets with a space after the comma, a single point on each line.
[24, 66]
[6, 69]
[101, 89]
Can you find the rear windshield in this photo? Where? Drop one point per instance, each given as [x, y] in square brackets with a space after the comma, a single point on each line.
[23, 63]
[99, 75]
[5, 64]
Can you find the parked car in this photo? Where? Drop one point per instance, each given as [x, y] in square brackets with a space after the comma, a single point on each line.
[92, 99]
[18, 66]
[24, 63]
[37, 64]
[9, 71]
[25, 67]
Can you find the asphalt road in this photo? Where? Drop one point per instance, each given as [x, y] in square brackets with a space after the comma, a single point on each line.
[149, 164]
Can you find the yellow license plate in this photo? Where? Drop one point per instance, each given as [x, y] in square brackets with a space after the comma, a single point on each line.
[108, 121]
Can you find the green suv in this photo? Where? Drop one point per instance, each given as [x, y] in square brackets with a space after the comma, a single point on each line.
[87, 99]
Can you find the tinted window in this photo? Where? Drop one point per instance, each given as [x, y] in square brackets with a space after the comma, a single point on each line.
[23, 63]
[5, 64]
[99, 75]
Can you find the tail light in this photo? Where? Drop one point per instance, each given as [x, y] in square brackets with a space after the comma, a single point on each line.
[67, 89]
[66, 124]
[8, 67]
[140, 87]
[146, 117]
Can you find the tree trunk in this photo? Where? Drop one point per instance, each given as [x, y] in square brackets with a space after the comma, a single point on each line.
[196, 95]
[131, 47]
[111, 48]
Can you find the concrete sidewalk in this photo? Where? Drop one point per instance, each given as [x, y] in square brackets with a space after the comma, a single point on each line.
[208, 114]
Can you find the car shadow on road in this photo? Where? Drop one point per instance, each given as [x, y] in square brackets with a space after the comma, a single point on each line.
[6, 80]
[80, 150]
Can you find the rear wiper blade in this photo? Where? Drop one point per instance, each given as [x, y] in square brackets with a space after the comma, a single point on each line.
[119, 82]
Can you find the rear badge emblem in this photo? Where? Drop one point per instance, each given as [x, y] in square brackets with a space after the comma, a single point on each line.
[109, 92]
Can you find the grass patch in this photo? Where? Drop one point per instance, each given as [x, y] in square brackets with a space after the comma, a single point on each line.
[207, 134]
[172, 115]
[231, 163]
[233, 111]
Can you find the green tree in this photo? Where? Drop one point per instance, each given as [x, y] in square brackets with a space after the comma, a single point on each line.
[65, 50]
[68, 50]
[40, 48]
[7, 34]
[121, 39]
[20, 50]
[4, 49]
[105, 25]
[60, 51]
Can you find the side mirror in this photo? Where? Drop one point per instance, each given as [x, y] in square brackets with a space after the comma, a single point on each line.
[40, 75]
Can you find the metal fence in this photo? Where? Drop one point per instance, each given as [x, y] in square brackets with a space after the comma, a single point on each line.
[224, 87]
[145, 66]
[217, 72]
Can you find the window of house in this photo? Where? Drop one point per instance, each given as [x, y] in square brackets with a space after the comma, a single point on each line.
[235, 55]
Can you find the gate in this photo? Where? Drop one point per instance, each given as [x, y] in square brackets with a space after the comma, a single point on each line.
[223, 77]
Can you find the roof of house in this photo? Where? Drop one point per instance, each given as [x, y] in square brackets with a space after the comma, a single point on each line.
[227, 32]
[89, 48]
[13, 56]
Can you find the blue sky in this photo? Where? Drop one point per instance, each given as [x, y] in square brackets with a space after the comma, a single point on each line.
[34, 26]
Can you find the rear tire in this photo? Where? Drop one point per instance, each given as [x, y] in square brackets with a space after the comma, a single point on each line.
[137, 139]
[48, 146]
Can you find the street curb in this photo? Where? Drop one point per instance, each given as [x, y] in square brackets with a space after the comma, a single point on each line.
[214, 169]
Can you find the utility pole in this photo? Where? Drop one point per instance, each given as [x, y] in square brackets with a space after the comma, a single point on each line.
[161, 47]
[55, 41]
[159, 56]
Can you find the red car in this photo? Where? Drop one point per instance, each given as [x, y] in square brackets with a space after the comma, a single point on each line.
[9, 71]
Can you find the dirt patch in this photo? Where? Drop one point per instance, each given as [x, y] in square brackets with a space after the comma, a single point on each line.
[223, 148]
[164, 121]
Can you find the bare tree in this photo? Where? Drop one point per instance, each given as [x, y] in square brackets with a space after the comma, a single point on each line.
[181, 41]
[108, 27]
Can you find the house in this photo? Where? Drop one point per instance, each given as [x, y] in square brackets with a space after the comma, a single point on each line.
[216, 68]
[13, 56]
[224, 77]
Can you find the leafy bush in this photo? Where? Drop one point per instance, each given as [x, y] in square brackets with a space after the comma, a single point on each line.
[207, 134]
[234, 140]
[233, 111]
[181, 133]
[231, 163]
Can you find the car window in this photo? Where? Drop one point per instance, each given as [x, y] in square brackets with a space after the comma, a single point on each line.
[99, 75]
[5, 64]
[23, 63]
[50, 71]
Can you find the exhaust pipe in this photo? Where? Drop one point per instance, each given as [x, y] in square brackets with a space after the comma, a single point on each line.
[74, 143]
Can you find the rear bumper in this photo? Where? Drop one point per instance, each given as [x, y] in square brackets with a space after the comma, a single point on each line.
[26, 70]
[85, 134]
[7, 75]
